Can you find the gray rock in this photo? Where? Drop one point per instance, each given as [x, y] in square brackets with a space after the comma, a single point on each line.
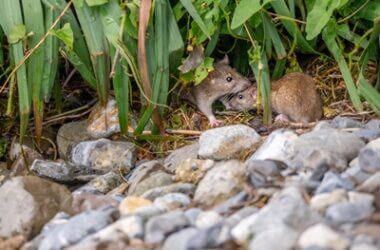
[209, 238]
[278, 146]
[102, 156]
[285, 213]
[323, 125]
[229, 142]
[147, 176]
[279, 237]
[125, 229]
[208, 219]
[27, 203]
[265, 167]
[21, 165]
[192, 170]
[101, 183]
[231, 203]
[239, 215]
[78, 227]
[321, 236]
[172, 201]
[367, 135]
[369, 157]
[354, 173]
[55, 170]
[148, 212]
[349, 212]
[332, 181]
[69, 135]
[179, 240]
[315, 158]
[158, 227]
[175, 158]
[184, 188]
[192, 214]
[321, 202]
[330, 140]
[373, 124]
[221, 182]
[345, 122]
[104, 121]
[89, 201]
[370, 185]
[363, 198]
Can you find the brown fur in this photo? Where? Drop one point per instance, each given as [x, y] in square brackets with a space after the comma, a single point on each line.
[294, 95]
[216, 86]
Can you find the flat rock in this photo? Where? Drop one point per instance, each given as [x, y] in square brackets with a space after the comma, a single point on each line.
[370, 185]
[179, 240]
[373, 124]
[175, 158]
[102, 156]
[147, 176]
[341, 122]
[321, 236]
[78, 227]
[221, 182]
[58, 170]
[89, 201]
[104, 121]
[208, 219]
[184, 188]
[367, 135]
[315, 158]
[27, 203]
[321, 202]
[171, 201]
[287, 212]
[332, 181]
[229, 142]
[101, 183]
[158, 227]
[131, 203]
[349, 212]
[278, 146]
[369, 157]
[70, 134]
[192, 170]
[354, 173]
[122, 230]
[330, 140]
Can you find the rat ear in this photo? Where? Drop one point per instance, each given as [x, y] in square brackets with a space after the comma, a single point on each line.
[253, 91]
[225, 60]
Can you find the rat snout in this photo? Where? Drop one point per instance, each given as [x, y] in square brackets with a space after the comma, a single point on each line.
[242, 84]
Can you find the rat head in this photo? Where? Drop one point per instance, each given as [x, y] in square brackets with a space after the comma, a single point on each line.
[243, 100]
[225, 79]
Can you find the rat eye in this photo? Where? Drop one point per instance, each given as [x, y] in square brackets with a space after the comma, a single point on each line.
[229, 78]
[240, 97]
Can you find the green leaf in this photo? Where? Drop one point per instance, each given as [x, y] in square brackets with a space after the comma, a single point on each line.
[194, 14]
[66, 35]
[319, 16]
[18, 32]
[244, 10]
[96, 2]
[202, 71]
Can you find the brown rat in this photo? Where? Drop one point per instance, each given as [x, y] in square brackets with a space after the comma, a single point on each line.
[221, 81]
[294, 96]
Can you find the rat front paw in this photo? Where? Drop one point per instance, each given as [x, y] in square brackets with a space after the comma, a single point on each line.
[215, 123]
[281, 118]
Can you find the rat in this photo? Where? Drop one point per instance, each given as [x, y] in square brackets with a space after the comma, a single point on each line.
[294, 97]
[221, 81]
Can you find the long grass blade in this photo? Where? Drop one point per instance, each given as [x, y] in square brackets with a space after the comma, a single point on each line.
[92, 29]
[329, 36]
[11, 17]
[194, 14]
[51, 53]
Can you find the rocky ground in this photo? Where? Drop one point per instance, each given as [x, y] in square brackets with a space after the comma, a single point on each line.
[231, 189]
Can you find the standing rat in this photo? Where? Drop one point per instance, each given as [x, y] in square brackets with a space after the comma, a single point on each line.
[294, 97]
[221, 81]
